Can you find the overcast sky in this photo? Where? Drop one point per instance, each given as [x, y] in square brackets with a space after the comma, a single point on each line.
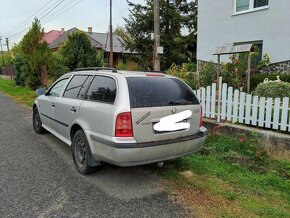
[16, 15]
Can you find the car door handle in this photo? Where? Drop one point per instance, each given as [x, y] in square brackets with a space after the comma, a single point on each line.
[52, 105]
[73, 109]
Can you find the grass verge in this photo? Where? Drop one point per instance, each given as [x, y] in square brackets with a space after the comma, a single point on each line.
[21, 94]
[231, 177]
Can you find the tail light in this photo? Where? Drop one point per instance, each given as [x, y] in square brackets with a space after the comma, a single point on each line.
[200, 119]
[124, 125]
[155, 74]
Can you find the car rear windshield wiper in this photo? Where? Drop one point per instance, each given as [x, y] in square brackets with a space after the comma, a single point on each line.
[180, 102]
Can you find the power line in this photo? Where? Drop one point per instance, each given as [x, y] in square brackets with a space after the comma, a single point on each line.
[28, 19]
[60, 2]
[51, 9]
[62, 10]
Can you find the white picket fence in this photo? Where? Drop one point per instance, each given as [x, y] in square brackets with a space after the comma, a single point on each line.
[227, 104]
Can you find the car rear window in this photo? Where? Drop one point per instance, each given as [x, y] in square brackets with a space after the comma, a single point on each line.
[159, 91]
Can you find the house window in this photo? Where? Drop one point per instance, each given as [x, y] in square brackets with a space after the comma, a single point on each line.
[242, 5]
[250, 5]
[260, 3]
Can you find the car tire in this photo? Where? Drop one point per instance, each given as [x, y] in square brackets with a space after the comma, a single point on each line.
[37, 124]
[81, 152]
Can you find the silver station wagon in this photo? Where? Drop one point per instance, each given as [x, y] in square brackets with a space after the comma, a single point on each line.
[110, 116]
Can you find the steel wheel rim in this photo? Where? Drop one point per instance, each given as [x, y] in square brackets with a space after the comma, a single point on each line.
[36, 119]
[80, 152]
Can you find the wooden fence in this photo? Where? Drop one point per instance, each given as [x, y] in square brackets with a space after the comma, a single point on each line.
[226, 104]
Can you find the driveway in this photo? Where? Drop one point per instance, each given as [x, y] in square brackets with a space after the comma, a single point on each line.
[38, 178]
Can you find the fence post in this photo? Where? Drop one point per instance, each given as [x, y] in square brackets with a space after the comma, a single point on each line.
[219, 99]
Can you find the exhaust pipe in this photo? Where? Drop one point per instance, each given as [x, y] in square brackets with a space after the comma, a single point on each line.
[160, 164]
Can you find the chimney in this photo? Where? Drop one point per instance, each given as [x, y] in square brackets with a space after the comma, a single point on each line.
[90, 29]
[62, 29]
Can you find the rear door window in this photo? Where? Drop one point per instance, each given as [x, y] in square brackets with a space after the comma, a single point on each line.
[76, 87]
[158, 92]
[102, 89]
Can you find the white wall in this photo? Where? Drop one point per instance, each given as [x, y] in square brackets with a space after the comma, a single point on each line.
[217, 26]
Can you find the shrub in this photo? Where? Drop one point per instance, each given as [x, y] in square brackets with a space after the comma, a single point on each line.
[191, 67]
[22, 68]
[259, 78]
[183, 73]
[207, 74]
[191, 80]
[130, 65]
[273, 90]
[122, 66]
[78, 52]
[133, 66]
[58, 67]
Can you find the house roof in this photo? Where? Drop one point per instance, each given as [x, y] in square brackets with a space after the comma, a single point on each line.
[232, 49]
[52, 35]
[104, 39]
[98, 40]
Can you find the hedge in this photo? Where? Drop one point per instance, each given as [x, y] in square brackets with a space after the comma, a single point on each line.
[259, 78]
[273, 90]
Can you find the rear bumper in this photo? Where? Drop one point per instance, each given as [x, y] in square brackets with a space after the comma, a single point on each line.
[132, 154]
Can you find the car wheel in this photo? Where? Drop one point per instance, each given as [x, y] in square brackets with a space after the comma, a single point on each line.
[81, 153]
[37, 124]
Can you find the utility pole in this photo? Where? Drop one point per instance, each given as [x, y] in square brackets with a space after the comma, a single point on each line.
[111, 37]
[156, 35]
[7, 44]
[1, 50]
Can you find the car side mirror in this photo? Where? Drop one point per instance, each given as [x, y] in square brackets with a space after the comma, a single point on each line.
[40, 91]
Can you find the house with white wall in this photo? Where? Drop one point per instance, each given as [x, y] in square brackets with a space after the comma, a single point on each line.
[264, 23]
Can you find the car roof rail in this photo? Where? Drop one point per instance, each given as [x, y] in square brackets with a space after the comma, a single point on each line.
[114, 70]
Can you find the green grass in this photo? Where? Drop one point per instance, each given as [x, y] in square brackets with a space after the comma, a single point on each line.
[21, 94]
[236, 179]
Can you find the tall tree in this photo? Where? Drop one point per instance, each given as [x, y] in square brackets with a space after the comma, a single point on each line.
[178, 23]
[78, 51]
[37, 55]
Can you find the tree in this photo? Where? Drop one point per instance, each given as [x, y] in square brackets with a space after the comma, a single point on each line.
[37, 55]
[78, 52]
[121, 31]
[178, 23]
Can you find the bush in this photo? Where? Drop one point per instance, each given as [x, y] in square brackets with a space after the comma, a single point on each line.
[259, 78]
[191, 80]
[207, 74]
[191, 67]
[22, 68]
[7, 57]
[183, 73]
[273, 90]
[122, 66]
[58, 67]
[133, 66]
[78, 52]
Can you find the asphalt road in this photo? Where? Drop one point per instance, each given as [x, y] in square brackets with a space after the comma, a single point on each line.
[38, 178]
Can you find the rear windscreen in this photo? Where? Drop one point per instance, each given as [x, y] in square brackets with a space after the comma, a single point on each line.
[158, 91]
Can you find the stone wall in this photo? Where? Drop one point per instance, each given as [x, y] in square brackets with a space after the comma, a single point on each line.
[280, 67]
